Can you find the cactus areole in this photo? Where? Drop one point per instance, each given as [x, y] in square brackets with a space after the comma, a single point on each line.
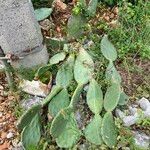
[20, 34]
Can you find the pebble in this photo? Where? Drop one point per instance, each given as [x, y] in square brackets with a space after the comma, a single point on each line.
[147, 113]
[119, 113]
[144, 103]
[10, 135]
[141, 140]
[28, 103]
[130, 120]
[18, 146]
[132, 110]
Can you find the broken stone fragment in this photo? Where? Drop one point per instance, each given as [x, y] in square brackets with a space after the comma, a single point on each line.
[119, 113]
[147, 113]
[132, 110]
[144, 103]
[20, 34]
[10, 135]
[141, 140]
[28, 103]
[36, 88]
[130, 120]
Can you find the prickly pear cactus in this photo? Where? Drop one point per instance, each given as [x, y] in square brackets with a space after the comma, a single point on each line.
[28, 116]
[65, 73]
[60, 101]
[31, 133]
[108, 50]
[93, 130]
[57, 58]
[112, 74]
[92, 7]
[84, 67]
[75, 25]
[112, 96]
[68, 134]
[95, 103]
[109, 130]
[95, 97]
[64, 128]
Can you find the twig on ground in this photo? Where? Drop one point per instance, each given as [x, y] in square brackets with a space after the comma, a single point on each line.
[8, 70]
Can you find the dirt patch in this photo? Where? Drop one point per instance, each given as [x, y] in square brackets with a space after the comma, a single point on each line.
[135, 76]
[7, 120]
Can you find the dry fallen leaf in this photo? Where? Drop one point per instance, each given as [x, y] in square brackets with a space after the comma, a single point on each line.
[5, 145]
[36, 88]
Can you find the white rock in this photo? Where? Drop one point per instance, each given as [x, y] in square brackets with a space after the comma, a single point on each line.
[147, 113]
[130, 120]
[36, 88]
[132, 110]
[10, 135]
[119, 113]
[141, 140]
[144, 103]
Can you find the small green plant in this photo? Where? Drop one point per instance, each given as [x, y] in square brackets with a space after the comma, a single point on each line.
[76, 66]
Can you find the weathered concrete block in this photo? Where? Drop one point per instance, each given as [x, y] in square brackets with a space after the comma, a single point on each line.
[34, 59]
[20, 33]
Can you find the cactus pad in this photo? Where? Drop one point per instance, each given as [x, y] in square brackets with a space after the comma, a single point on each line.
[64, 128]
[112, 74]
[108, 50]
[112, 97]
[65, 73]
[109, 130]
[95, 97]
[31, 134]
[70, 134]
[83, 68]
[28, 116]
[60, 101]
[57, 58]
[93, 131]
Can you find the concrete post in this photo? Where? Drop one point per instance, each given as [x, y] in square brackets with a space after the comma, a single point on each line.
[20, 34]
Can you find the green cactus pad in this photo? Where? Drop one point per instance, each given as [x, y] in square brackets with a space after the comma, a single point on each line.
[108, 50]
[31, 134]
[76, 96]
[83, 68]
[109, 130]
[75, 24]
[55, 90]
[70, 134]
[112, 74]
[65, 73]
[112, 96]
[41, 71]
[57, 58]
[28, 116]
[95, 97]
[60, 121]
[60, 101]
[93, 131]
[92, 7]
[123, 99]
